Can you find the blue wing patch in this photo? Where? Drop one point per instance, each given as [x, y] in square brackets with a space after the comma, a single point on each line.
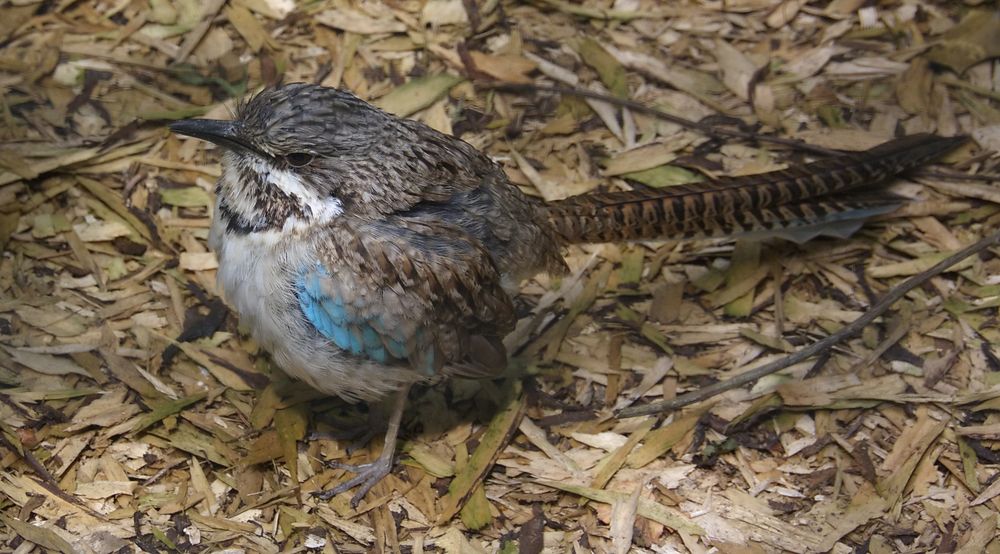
[334, 320]
[351, 331]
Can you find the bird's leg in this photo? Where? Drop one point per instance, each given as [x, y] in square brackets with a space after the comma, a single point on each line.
[370, 474]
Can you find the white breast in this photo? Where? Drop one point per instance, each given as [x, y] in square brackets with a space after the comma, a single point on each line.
[256, 280]
[257, 277]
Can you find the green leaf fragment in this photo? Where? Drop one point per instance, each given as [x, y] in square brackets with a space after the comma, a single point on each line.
[187, 197]
[417, 94]
[664, 176]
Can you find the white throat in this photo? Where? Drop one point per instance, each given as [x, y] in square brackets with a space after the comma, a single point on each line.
[243, 202]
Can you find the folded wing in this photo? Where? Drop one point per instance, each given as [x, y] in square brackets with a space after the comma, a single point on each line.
[423, 294]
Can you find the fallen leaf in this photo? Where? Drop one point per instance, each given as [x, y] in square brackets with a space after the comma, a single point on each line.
[973, 40]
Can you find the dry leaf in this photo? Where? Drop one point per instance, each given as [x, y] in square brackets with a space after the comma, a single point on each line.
[506, 67]
[357, 22]
[973, 40]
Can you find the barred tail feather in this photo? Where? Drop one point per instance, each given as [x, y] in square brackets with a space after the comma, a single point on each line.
[800, 223]
[811, 198]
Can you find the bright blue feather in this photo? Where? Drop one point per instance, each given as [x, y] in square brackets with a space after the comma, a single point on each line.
[350, 331]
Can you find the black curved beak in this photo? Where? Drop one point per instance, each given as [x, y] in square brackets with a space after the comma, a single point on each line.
[223, 133]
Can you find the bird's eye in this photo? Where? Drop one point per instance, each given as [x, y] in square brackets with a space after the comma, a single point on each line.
[299, 159]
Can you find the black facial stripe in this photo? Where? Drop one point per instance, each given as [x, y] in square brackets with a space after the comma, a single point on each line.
[237, 224]
[271, 206]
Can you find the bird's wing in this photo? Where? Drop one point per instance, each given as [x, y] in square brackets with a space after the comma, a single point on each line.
[400, 291]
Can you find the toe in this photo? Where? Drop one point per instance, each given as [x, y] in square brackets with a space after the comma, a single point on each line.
[367, 477]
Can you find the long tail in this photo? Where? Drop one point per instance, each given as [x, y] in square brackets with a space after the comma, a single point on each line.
[804, 200]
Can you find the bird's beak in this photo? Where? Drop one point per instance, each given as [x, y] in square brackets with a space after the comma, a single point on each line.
[223, 133]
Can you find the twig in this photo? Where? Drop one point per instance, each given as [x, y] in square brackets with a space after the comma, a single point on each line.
[714, 132]
[45, 479]
[819, 347]
[955, 175]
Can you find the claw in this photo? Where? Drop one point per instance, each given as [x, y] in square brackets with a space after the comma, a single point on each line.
[368, 475]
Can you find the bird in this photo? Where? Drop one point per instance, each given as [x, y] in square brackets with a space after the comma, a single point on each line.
[368, 252]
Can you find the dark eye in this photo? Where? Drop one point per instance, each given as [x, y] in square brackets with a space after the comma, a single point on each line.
[299, 159]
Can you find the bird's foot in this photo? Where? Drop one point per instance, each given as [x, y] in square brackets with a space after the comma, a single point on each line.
[368, 475]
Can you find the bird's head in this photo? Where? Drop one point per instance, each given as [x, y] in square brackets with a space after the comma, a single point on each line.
[294, 126]
[313, 152]
[294, 151]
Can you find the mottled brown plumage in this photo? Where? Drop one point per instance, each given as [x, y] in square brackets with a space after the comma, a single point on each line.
[368, 252]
